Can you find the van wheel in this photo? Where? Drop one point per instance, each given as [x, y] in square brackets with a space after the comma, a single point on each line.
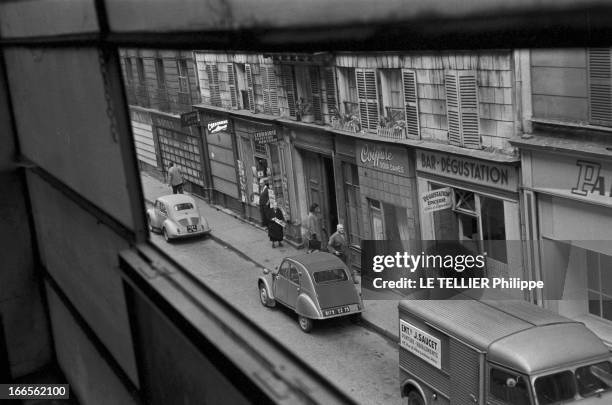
[414, 398]
[306, 324]
[166, 237]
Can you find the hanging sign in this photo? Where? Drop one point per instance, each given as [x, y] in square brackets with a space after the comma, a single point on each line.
[217, 126]
[437, 200]
[265, 137]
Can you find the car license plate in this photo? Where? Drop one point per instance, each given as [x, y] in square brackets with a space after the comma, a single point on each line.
[337, 311]
[192, 228]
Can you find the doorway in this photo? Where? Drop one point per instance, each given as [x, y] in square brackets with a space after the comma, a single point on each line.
[320, 187]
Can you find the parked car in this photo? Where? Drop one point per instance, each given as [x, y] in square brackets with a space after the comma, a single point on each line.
[176, 216]
[315, 285]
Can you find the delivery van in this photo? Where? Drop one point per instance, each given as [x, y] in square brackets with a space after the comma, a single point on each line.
[498, 352]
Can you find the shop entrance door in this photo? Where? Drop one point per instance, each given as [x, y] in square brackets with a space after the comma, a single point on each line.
[319, 180]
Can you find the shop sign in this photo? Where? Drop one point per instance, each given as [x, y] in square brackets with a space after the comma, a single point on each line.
[166, 122]
[472, 170]
[190, 118]
[383, 157]
[437, 200]
[217, 126]
[265, 137]
[421, 344]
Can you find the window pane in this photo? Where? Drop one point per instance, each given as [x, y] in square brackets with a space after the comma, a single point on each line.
[493, 227]
[605, 270]
[594, 303]
[593, 270]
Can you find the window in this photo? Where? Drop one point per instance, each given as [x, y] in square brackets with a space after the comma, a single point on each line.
[284, 270]
[594, 378]
[508, 388]
[347, 91]
[294, 275]
[140, 70]
[160, 73]
[462, 109]
[182, 75]
[599, 284]
[600, 86]
[555, 388]
[183, 207]
[391, 98]
[330, 276]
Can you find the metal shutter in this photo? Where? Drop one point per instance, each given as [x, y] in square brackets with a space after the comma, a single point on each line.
[411, 103]
[600, 86]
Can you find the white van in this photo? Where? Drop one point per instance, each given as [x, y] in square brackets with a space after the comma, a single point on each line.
[498, 353]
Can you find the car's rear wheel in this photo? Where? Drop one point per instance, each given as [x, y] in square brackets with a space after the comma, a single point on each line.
[263, 294]
[414, 398]
[166, 237]
[306, 324]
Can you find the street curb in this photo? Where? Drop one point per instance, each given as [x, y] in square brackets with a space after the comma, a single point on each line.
[367, 324]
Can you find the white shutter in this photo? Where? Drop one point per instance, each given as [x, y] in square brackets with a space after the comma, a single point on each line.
[250, 87]
[315, 88]
[231, 79]
[452, 109]
[411, 103]
[213, 85]
[462, 109]
[270, 96]
[289, 85]
[330, 90]
[368, 98]
[600, 86]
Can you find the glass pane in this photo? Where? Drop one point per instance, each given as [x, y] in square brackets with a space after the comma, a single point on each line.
[606, 308]
[605, 270]
[592, 270]
[594, 303]
[493, 227]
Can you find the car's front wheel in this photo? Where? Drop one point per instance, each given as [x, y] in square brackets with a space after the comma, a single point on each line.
[306, 324]
[414, 398]
[166, 237]
[263, 294]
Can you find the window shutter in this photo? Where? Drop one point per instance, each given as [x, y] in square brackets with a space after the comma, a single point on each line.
[600, 85]
[290, 90]
[452, 109]
[411, 103]
[250, 86]
[213, 84]
[462, 109]
[330, 90]
[368, 97]
[268, 80]
[468, 97]
[315, 89]
[231, 79]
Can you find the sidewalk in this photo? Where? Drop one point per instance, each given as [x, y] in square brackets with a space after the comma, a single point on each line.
[251, 242]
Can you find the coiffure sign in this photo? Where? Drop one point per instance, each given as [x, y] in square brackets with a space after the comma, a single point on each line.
[382, 157]
[477, 171]
[217, 126]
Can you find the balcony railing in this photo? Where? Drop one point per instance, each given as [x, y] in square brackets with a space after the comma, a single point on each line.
[142, 96]
[160, 99]
[395, 133]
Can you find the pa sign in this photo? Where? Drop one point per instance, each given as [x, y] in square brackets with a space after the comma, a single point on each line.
[437, 200]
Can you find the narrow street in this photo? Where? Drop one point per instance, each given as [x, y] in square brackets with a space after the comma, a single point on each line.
[359, 361]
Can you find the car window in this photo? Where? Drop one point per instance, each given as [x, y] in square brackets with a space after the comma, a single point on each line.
[162, 208]
[284, 270]
[294, 277]
[329, 276]
[183, 206]
[508, 388]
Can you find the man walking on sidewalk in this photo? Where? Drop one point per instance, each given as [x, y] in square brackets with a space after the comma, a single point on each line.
[175, 179]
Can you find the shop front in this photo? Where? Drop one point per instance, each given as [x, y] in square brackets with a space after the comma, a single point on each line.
[222, 159]
[474, 201]
[263, 155]
[182, 146]
[387, 185]
[569, 198]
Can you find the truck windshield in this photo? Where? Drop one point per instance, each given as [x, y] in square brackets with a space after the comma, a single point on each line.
[555, 388]
[594, 378]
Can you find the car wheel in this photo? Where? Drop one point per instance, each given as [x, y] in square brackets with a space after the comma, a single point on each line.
[414, 398]
[263, 294]
[306, 324]
[166, 237]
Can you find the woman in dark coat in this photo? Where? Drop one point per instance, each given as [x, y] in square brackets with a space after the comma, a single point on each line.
[276, 225]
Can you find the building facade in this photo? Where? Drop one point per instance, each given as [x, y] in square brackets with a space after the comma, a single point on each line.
[566, 163]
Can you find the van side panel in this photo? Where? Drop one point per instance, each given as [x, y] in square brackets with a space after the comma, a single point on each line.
[464, 374]
[422, 371]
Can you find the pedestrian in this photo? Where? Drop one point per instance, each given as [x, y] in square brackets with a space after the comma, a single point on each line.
[276, 225]
[337, 243]
[313, 233]
[264, 205]
[175, 179]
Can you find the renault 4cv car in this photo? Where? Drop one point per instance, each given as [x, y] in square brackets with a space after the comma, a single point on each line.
[176, 216]
[315, 285]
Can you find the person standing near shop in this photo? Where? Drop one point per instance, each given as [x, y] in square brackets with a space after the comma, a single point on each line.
[337, 243]
[276, 225]
[175, 179]
[264, 205]
[313, 233]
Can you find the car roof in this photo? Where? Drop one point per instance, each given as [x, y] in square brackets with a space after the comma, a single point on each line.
[172, 199]
[518, 334]
[316, 261]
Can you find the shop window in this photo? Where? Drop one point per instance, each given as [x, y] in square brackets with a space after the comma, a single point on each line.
[462, 109]
[388, 221]
[493, 228]
[376, 220]
[599, 277]
[600, 86]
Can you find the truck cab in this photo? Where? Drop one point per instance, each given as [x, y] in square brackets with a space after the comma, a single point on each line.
[464, 351]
